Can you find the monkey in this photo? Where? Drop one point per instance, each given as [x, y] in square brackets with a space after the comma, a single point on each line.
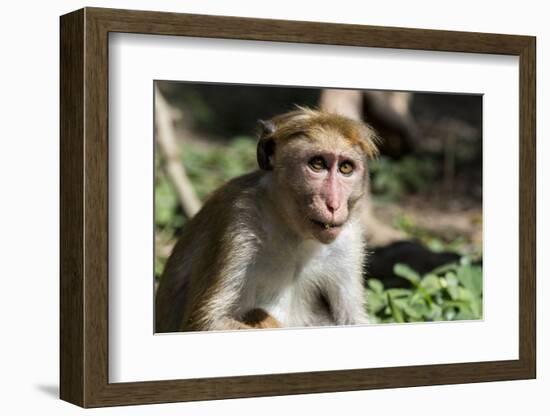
[282, 246]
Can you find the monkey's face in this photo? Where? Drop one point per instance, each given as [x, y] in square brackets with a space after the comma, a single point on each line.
[323, 177]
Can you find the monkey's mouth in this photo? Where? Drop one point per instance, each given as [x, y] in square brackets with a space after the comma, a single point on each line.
[325, 225]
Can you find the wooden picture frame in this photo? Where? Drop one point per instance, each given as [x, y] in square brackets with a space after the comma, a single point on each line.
[84, 207]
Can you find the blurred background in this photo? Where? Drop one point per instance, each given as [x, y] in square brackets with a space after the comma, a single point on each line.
[424, 219]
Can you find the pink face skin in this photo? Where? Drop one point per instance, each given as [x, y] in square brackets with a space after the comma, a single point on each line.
[325, 179]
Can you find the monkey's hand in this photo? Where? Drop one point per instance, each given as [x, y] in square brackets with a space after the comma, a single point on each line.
[258, 318]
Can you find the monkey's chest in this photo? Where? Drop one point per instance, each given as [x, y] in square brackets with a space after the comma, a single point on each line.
[290, 290]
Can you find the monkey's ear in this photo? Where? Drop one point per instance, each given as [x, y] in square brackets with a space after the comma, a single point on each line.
[266, 145]
[267, 128]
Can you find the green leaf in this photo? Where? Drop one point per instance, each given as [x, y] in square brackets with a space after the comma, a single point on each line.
[413, 312]
[401, 303]
[464, 315]
[434, 313]
[417, 297]
[451, 279]
[375, 301]
[396, 312]
[445, 268]
[404, 271]
[430, 283]
[399, 292]
[453, 292]
[465, 295]
[376, 285]
[476, 307]
[470, 278]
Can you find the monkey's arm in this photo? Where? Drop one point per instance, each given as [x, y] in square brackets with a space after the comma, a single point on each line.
[221, 283]
[214, 309]
[254, 319]
[347, 300]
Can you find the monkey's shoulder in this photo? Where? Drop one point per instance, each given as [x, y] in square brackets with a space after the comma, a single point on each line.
[222, 232]
[232, 210]
[236, 200]
[241, 188]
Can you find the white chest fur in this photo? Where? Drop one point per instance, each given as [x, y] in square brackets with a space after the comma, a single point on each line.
[293, 284]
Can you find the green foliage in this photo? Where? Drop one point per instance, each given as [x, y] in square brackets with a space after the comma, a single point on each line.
[209, 168]
[393, 178]
[166, 205]
[450, 292]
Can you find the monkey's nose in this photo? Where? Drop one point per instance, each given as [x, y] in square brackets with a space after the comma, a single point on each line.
[332, 206]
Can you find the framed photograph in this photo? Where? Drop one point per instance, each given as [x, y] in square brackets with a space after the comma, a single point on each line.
[254, 207]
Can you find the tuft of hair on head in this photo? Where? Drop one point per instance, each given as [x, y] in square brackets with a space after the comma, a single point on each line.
[308, 121]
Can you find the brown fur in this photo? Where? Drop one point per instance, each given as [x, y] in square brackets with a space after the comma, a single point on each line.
[185, 303]
[258, 318]
[314, 123]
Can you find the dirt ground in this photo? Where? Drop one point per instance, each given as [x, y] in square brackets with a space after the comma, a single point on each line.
[441, 223]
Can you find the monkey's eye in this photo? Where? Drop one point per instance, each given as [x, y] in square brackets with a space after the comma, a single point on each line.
[345, 168]
[317, 164]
